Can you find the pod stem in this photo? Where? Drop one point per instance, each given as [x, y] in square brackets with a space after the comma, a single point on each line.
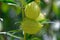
[37, 1]
[24, 36]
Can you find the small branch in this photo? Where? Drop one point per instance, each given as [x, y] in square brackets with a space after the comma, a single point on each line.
[48, 22]
[14, 36]
[9, 34]
[3, 33]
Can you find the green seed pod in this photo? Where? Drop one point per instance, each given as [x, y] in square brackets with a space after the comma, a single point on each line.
[32, 10]
[30, 26]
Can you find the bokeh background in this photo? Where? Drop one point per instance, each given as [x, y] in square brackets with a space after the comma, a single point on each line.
[10, 20]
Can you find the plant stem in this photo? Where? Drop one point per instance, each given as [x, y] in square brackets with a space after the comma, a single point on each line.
[3, 37]
[50, 9]
[23, 3]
